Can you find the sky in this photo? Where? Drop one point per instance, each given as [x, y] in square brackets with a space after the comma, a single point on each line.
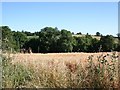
[85, 17]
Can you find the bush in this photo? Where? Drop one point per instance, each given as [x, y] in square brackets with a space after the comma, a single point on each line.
[14, 75]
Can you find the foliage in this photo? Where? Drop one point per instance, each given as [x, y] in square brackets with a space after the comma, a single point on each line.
[32, 43]
[65, 41]
[52, 40]
[12, 40]
[86, 44]
[28, 33]
[14, 75]
[79, 33]
[107, 42]
[94, 46]
[98, 34]
[19, 38]
[7, 38]
[48, 38]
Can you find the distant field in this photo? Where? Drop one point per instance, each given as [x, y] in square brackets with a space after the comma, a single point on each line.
[30, 37]
[93, 36]
[97, 37]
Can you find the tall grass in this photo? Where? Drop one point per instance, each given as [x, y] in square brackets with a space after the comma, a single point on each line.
[14, 76]
[61, 74]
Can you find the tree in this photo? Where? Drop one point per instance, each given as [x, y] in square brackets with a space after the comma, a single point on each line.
[118, 44]
[80, 44]
[33, 44]
[94, 47]
[48, 39]
[7, 38]
[118, 47]
[98, 34]
[65, 41]
[28, 33]
[86, 44]
[36, 33]
[118, 34]
[72, 33]
[107, 42]
[20, 39]
[79, 33]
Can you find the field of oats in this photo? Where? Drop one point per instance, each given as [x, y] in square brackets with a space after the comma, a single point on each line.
[61, 70]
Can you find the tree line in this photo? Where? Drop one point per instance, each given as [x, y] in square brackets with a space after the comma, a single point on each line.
[52, 40]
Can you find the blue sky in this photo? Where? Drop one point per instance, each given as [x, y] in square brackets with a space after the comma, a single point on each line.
[85, 17]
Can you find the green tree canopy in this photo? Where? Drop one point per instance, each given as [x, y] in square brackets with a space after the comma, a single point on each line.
[48, 39]
[19, 38]
[65, 42]
[98, 34]
[7, 38]
[107, 42]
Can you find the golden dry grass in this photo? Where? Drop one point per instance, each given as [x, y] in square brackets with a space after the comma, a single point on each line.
[60, 59]
[69, 69]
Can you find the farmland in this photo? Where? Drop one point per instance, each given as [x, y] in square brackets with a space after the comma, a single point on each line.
[54, 58]
[60, 45]
[37, 58]
[63, 70]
